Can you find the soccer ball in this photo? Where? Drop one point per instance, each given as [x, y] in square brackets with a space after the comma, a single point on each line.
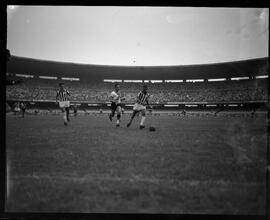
[151, 128]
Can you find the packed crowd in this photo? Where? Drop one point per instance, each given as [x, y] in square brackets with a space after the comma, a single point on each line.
[244, 90]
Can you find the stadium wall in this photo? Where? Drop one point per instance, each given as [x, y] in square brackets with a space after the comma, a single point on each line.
[46, 104]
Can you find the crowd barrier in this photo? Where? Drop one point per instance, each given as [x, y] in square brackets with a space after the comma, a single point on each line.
[49, 104]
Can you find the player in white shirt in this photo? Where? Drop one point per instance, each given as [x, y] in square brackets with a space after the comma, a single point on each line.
[115, 99]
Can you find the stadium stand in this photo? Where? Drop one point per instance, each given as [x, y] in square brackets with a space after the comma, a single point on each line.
[224, 91]
[89, 86]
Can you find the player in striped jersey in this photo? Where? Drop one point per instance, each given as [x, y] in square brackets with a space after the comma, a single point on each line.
[62, 97]
[116, 98]
[140, 106]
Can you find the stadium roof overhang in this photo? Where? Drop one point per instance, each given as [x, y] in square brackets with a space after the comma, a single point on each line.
[252, 67]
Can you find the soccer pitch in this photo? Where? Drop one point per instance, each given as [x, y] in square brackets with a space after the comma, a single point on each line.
[190, 165]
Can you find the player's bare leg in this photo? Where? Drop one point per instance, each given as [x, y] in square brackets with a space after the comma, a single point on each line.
[132, 117]
[118, 116]
[142, 120]
[64, 116]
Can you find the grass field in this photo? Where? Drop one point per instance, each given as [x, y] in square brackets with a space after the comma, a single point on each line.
[189, 165]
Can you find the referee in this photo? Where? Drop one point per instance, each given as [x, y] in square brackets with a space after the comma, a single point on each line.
[62, 97]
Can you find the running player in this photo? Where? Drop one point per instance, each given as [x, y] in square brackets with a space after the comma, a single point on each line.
[140, 106]
[62, 97]
[115, 99]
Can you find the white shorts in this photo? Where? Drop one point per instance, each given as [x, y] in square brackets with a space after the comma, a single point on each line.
[138, 107]
[64, 104]
[16, 109]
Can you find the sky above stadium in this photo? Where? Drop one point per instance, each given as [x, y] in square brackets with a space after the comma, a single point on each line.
[137, 36]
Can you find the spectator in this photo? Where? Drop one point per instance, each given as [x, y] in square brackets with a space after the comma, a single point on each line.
[244, 90]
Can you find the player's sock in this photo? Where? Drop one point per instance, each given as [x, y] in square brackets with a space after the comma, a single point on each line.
[110, 116]
[67, 110]
[142, 120]
[131, 119]
[133, 114]
[129, 123]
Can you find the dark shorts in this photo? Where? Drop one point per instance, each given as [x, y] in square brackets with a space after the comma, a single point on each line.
[114, 106]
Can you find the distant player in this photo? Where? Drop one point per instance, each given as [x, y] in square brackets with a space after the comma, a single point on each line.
[23, 108]
[16, 108]
[184, 112]
[140, 106]
[62, 97]
[115, 99]
[36, 111]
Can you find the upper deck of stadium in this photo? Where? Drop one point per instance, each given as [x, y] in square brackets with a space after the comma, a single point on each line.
[36, 67]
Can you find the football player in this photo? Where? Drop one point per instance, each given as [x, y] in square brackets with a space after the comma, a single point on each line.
[16, 108]
[23, 108]
[115, 99]
[140, 106]
[62, 97]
